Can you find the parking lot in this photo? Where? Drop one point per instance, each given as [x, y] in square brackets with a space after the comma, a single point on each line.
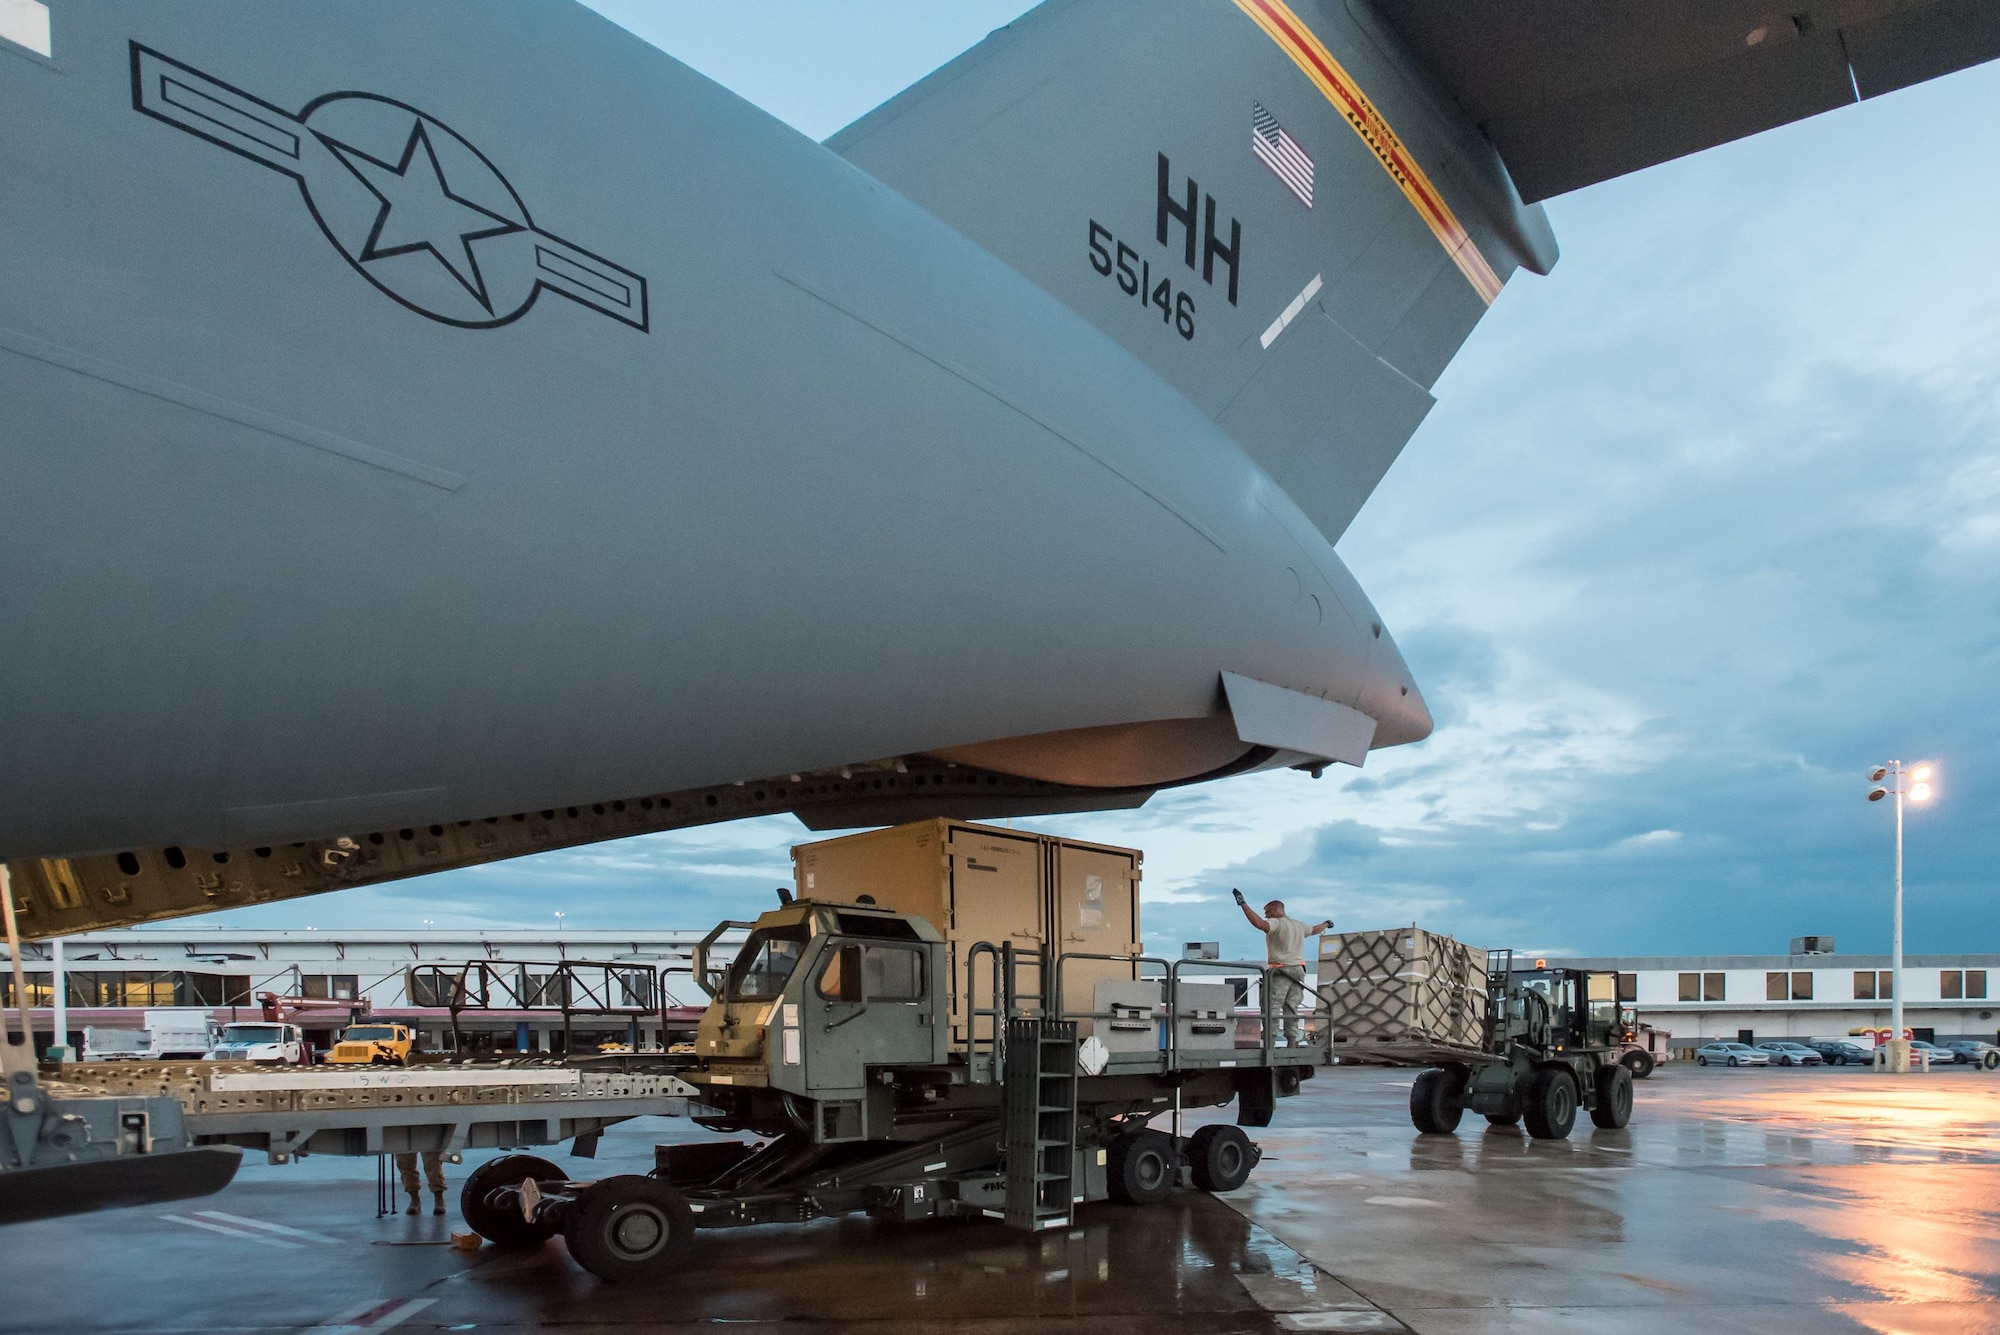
[1751, 1200]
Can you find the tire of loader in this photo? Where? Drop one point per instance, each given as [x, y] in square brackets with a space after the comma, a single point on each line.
[505, 1228]
[629, 1228]
[1220, 1158]
[1434, 1106]
[1139, 1168]
[1640, 1064]
[1550, 1107]
[1614, 1097]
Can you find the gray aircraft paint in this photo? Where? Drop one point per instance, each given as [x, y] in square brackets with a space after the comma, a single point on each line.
[424, 412]
[291, 551]
[1060, 119]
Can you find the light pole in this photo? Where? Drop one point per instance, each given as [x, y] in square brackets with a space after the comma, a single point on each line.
[1911, 783]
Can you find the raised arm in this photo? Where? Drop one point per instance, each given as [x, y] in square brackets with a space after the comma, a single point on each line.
[1256, 919]
[1319, 927]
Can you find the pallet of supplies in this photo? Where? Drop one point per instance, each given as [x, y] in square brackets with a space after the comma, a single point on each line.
[1401, 995]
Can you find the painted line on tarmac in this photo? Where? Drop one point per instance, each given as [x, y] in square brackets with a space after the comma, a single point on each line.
[372, 1316]
[244, 1222]
[224, 1229]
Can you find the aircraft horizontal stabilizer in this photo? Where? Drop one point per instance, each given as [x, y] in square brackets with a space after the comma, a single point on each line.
[1574, 91]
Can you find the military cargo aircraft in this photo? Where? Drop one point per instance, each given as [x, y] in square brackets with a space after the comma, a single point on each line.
[439, 432]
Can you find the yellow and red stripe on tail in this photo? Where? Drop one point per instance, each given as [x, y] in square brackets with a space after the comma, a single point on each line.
[1310, 55]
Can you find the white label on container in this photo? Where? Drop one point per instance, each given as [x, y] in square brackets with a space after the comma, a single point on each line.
[1090, 913]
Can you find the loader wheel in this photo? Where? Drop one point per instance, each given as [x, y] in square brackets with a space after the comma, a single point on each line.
[1640, 1064]
[1139, 1168]
[629, 1227]
[1614, 1098]
[1991, 1061]
[504, 1227]
[1551, 1104]
[1509, 1120]
[1220, 1158]
[1434, 1105]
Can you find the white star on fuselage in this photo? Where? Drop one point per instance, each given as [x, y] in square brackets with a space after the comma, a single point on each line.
[419, 211]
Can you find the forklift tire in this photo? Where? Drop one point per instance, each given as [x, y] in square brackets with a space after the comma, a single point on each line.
[504, 1228]
[1640, 1064]
[1434, 1105]
[1614, 1098]
[1509, 1120]
[629, 1227]
[1220, 1158]
[1551, 1103]
[1140, 1168]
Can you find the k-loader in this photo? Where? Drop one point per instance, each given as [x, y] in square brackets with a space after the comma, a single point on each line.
[861, 1059]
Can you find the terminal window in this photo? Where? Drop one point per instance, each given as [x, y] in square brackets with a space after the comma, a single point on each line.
[1962, 984]
[1628, 987]
[1782, 986]
[1874, 985]
[1701, 987]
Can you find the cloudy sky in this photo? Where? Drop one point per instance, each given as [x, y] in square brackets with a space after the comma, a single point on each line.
[1705, 524]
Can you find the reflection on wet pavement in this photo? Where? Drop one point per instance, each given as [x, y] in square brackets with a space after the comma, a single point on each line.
[1729, 1202]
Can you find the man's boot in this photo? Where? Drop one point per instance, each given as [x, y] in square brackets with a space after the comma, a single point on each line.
[439, 1207]
[413, 1204]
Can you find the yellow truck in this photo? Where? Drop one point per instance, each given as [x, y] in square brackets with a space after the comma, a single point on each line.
[375, 1044]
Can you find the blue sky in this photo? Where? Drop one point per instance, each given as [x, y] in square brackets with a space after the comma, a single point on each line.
[1704, 524]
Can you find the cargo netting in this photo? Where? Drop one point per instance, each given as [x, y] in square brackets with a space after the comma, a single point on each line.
[1401, 995]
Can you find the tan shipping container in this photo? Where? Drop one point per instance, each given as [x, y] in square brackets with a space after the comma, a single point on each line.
[984, 883]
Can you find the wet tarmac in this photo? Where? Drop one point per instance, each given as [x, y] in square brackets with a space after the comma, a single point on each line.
[1760, 1201]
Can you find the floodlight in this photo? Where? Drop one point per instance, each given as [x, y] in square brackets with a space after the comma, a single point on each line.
[1921, 773]
[1877, 794]
[1920, 793]
[1879, 773]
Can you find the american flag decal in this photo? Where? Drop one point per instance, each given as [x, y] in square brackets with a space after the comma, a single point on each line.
[1281, 153]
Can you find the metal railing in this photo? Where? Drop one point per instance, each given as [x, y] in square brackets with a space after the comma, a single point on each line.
[571, 987]
[1007, 960]
[1169, 1011]
[1000, 965]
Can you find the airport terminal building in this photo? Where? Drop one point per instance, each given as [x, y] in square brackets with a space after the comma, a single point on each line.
[1753, 998]
[518, 983]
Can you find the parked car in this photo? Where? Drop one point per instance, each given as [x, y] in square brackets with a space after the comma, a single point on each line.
[1784, 1052]
[1730, 1054]
[1971, 1051]
[1939, 1056]
[1840, 1052]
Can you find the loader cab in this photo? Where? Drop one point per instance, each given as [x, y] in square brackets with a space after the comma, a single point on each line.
[1580, 1005]
[818, 994]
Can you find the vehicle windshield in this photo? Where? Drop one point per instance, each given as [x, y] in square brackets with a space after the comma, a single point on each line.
[366, 1031]
[253, 1033]
[765, 963]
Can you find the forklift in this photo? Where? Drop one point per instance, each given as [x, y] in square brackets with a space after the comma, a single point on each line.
[1553, 1042]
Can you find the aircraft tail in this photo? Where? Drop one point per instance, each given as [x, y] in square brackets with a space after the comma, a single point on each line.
[1262, 201]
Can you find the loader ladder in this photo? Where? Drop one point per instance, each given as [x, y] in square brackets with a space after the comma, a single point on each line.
[1038, 1123]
